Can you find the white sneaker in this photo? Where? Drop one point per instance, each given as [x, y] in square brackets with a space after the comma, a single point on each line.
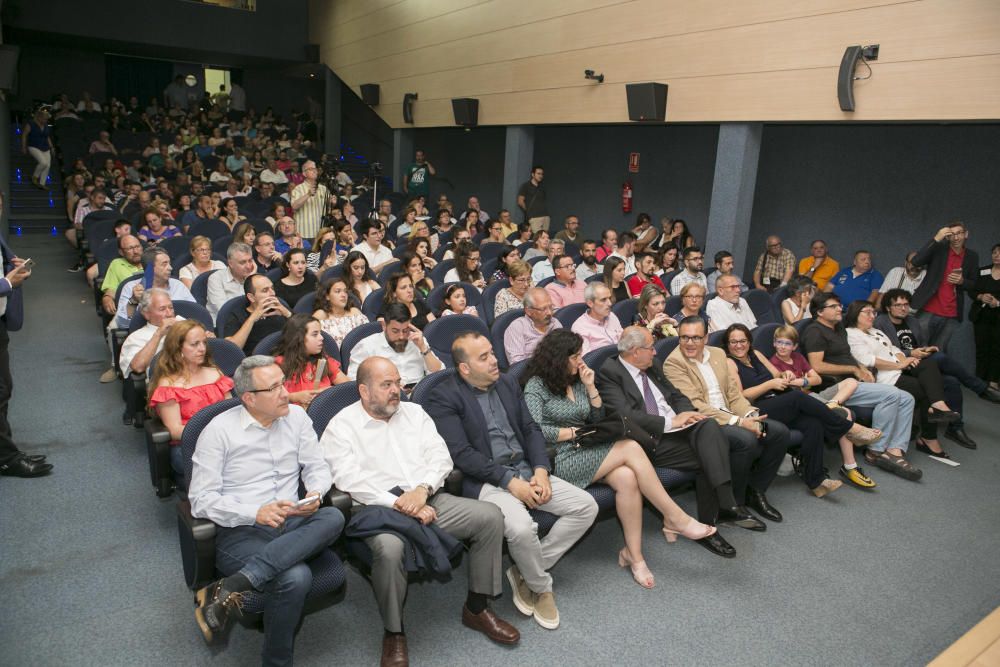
[786, 469]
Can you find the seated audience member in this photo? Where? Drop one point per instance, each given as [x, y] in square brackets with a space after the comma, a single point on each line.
[645, 267]
[228, 284]
[985, 317]
[122, 228]
[523, 240]
[399, 289]
[156, 263]
[561, 394]
[245, 477]
[265, 256]
[819, 267]
[588, 266]
[296, 280]
[791, 364]
[384, 205]
[201, 261]
[626, 251]
[570, 233]
[272, 174]
[263, 315]
[540, 247]
[775, 266]
[692, 304]
[510, 298]
[523, 334]
[120, 268]
[204, 210]
[609, 243]
[829, 353]
[694, 262]
[952, 269]
[566, 288]
[298, 353]
[184, 381]
[153, 230]
[614, 279]
[772, 392]
[728, 307]
[668, 260]
[401, 343]
[921, 378]
[499, 448]
[466, 267]
[102, 144]
[371, 246]
[598, 326]
[650, 315]
[669, 430]
[337, 315]
[345, 238]
[495, 231]
[757, 445]
[544, 269]
[445, 227]
[508, 225]
[644, 232]
[800, 294]
[288, 236]
[470, 221]
[858, 283]
[231, 215]
[679, 236]
[454, 302]
[906, 333]
[906, 277]
[412, 266]
[507, 256]
[142, 344]
[315, 261]
[357, 274]
[424, 243]
[388, 455]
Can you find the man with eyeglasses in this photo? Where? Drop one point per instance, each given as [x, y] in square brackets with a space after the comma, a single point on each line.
[546, 268]
[775, 266]
[829, 353]
[566, 288]
[401, 343]
[523, 334]
[757, 445]
[371, 246]
[728, 307]
[309, 201]
[571, 230]
[245, 478]
[725, 265]
[694, 262]
[906, 277]
[951, 269]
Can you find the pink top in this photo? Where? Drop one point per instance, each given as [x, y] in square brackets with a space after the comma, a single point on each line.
[304, 382]
[192, 399]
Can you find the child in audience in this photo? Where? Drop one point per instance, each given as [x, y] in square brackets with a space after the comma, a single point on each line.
[454, 302]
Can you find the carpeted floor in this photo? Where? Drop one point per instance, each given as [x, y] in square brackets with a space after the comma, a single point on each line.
[90, 572]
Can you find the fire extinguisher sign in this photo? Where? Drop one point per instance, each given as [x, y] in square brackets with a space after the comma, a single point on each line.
[633, 163]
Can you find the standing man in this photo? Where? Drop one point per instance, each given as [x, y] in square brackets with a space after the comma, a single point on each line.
[951, 269]
[861, 282]
[531, 200]
[775, 266]
[417, 177]
[309, 201]
[13, 462]
[819, 266]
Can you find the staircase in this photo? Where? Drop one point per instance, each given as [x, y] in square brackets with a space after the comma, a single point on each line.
[32, 210]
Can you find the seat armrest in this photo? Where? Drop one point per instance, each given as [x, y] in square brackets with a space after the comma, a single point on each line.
[197, 538]
[340, 500]
[453, 482]
[156, 431]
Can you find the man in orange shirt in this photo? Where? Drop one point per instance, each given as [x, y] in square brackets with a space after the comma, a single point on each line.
[818, 265]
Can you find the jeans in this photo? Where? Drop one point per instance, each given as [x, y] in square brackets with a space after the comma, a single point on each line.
[893, 413]
[272, 559]
[939, 329]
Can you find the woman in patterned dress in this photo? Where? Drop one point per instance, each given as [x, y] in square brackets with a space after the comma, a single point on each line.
[336, 314]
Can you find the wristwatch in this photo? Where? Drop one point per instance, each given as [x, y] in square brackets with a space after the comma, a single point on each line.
[428, 488]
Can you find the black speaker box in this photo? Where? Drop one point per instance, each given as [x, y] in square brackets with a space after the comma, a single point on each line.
[370, 94]
[466, 111]
[408, 99]
[647, 101]
[845, 78]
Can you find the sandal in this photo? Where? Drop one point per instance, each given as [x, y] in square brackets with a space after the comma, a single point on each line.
[862, 436]
[922, 446]
[895, 464]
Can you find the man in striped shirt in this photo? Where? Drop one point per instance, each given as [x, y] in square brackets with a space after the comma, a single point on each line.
[309, 200]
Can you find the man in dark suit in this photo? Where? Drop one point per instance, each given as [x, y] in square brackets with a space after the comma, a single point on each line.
[671, 432]
[13, 462]
[500, 450]
[951, 269]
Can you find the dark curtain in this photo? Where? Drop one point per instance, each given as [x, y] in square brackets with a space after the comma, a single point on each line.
[137, 76]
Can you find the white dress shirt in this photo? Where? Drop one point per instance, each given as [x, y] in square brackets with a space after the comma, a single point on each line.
[368, 456]
[222, 287]
[380, 255]
[542, 270]
[662, 406]
[135, 342]
[715, 396]
[409, 362]
[722, 313]
[178, 292]
[239, 466]
[629, 262]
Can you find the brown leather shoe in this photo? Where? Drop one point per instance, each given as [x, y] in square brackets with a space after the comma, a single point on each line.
[394, 653]
[491, 625]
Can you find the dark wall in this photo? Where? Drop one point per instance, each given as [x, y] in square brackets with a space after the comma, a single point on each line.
[43, 71]
[585, 167]
[467, 163]
[363, 130]
[278, 88]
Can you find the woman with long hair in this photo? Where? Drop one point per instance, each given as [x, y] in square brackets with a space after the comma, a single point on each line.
[201, 260]
[296, 280]
[184, 381]
[668, 260]
[230, 214]
[614, 278]
[245, 233]
[324, 235]
[466, 267]
[800, 293]
[153, 230]
[412, 266]
[561, 396]
[337, 315]
[650, 313]
[507, 256]
[422, 247]
[399, 289]
[356, 274]
[299, 353]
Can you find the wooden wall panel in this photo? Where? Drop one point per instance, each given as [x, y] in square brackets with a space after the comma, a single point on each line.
[767, 60]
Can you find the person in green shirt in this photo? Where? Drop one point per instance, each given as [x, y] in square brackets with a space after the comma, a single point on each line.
[119, 269]
[417, 177]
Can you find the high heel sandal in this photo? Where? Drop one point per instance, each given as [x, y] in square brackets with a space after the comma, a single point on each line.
[640, 572]
[693, 531]
[862, 436]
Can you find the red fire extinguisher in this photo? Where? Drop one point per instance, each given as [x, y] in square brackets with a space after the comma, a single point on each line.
[627, 197]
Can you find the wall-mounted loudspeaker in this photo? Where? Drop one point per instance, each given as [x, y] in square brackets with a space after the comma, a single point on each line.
[408, 99]
[466, 111]
[647, 101]
[370, 94]
[845, 80]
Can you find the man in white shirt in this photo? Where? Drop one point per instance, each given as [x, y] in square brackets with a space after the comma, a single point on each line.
[543, 269]
[401, 343]
[387, 453]
[142, 345]
[728, 307]
[694, 262]
[245, 476]
[272, 174]
[473, 205]
[626, 251]
[159, 260]
[725, 266]
[227, 284]
[371, 245]
[906, 277]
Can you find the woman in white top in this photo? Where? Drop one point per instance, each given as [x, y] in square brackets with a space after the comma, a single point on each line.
[919, 377]
[336, 314]
[201, 260]
[796, 306]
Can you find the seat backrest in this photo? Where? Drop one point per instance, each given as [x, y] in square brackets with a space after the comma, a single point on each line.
[213, 229]
[268, 344]
[195, 425]
[801, 325]
[517, 369]
[491, 250]
[373, 304]
[100, 230]
[490, 298]
[626, 310]
[221, 244]
[497, 332]
[122, 284]
[594, 278]
[388, 270]
[191, 310]
[274, 275]
[545, 281]
[535, 260]
[226, 354]
[353, 337]
[569, 314]
[199, 287]
[225, 311]
[435, 298]
[441, 332]
[715, 338]
[596, 358]
[673, 304]
[443, 267]
[424, 388]
[664, 347]
[488, 267]
[763, 338]
[332, 272]
[105, 253]
[331, 401]
[305, 304]
[761, 305]
[777, 297]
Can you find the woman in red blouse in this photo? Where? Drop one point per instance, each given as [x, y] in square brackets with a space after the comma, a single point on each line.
[298, 352]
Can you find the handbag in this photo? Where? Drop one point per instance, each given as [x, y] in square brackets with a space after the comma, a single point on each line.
[608, 429]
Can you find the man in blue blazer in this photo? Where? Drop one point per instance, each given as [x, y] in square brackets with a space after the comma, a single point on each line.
[13, 462]
[500, 450]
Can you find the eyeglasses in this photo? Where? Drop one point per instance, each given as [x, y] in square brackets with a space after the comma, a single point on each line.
[742, 341]
[691, 339]
[904, 304]
[774, 245]
[832, 305]
[523, 280]
[781, 342]
[868, 311]
[571, 265]
[270, 390]
[546, 309]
